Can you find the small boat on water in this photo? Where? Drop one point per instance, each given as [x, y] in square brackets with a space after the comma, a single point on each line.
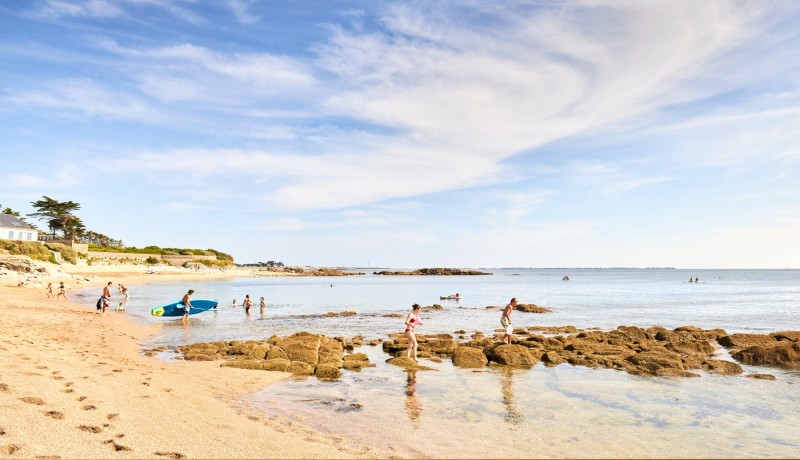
[455, 296]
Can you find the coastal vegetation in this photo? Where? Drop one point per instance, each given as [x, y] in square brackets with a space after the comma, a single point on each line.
[38, 251]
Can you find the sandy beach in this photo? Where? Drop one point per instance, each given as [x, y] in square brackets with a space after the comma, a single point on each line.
[74, 385]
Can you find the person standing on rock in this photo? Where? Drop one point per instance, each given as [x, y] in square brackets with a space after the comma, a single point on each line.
[412, 320]
[505, 320]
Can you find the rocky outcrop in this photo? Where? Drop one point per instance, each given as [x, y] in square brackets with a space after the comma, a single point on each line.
[300, 354]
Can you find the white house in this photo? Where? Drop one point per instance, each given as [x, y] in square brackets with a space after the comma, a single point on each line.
[11, 228]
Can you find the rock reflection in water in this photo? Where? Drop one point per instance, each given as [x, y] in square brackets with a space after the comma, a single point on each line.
[413, 404]
[512, 415]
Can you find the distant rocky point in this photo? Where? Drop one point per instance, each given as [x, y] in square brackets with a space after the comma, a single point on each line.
[434, 272]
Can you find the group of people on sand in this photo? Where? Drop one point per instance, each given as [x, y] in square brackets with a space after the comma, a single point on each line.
[413, 320]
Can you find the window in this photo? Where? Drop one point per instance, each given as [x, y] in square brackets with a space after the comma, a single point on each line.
[19, 235]
[30, 236]
[11, 234]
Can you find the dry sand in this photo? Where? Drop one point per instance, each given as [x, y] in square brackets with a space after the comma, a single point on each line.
[73, 384]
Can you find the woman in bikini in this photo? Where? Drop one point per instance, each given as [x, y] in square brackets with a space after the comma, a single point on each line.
[412, 320]
[50, 291]
[62, 290]
[247, 304]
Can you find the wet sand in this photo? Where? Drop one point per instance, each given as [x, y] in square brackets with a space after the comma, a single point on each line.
[75, 385]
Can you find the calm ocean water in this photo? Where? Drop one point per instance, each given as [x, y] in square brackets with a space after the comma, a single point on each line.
[543, 412]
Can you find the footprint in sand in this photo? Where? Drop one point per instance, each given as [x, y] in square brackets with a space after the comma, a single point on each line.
[2, 431]
[68, 390]
[169, 454]
[32, 400]
[54, 414]
[4, 387]
[11, 448]
[120, 435]
[68, 384]
[112, 416]
[89, 407]
[82, 398]
[117, 447]
[90, 428]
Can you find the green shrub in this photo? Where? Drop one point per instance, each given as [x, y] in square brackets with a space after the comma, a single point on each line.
[32, 249]
[67, 253]
[153, 260]
[213, 263]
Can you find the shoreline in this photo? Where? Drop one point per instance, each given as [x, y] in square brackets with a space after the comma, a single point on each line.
[75, 384]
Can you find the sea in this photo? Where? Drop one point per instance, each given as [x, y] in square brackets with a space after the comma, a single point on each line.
[563, 411]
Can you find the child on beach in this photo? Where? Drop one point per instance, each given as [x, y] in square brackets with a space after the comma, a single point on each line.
[505, 320]
[262, 304]
[412, 320]
[124, 301]
[50, 291]
[62, 290]
[234, 303]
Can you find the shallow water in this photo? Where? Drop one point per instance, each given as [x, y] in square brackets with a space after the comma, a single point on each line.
[543, 412]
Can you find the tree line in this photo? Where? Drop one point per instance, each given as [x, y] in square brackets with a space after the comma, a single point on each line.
[60, 218]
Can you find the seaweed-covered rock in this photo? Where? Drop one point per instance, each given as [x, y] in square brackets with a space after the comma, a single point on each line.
[746, 340]
[327, 371]
[301, 347]
[469, 357]
[722, 367]
[532, 308]
[277, 364]
[356, 361]
[784, 354]
[300, 368]
[651, 362]
[510, 355]
[761, 376]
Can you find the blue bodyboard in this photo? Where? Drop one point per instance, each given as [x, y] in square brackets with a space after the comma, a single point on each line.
[176, 308]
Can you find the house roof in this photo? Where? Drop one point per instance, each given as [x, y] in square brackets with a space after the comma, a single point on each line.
[9, 221]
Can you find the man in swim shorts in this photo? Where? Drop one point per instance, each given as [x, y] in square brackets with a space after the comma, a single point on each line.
[187, 305]
[505, 320]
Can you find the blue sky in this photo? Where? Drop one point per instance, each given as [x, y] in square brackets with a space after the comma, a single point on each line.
[413, 134]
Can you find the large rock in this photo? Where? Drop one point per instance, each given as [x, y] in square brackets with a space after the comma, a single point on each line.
[299, 368]
[531, 308]
[302, 347]
[469, 357]
[327, 371]
[717, 366]
[551, 358]
[356, 361]
[277, 364]
[510, 355]
[784, 354]
[330, 351]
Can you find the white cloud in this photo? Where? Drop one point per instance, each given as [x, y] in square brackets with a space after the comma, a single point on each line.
[240, 9]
